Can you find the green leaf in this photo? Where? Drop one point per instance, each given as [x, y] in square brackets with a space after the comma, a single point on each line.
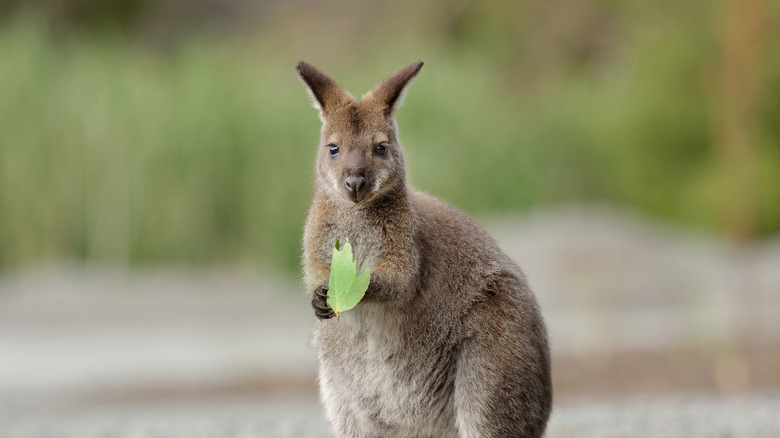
[345, 287]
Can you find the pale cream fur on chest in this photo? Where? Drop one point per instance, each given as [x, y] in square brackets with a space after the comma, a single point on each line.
[367, 243]
[372, 365]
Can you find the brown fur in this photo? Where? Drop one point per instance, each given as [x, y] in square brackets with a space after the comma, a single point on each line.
[449, 340]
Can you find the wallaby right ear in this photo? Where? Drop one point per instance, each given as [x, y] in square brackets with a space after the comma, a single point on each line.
[390, 92]
[325, 92]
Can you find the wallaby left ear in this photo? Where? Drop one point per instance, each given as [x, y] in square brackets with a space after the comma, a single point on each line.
[390, 92]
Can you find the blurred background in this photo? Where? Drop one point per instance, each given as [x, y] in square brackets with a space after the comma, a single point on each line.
[156, 168]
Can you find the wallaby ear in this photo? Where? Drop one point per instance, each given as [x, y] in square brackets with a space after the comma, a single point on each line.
[390, 92]
[326, 94]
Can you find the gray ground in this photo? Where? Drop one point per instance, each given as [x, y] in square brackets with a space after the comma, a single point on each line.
[746, 416]
[664, 334]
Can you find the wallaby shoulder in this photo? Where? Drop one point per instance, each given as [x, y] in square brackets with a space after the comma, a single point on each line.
[458, 246]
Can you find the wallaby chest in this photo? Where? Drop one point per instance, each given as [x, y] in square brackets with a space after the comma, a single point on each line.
[367, 239]
[381, 237]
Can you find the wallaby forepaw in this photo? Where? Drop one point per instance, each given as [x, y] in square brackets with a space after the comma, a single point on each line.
[320, 304]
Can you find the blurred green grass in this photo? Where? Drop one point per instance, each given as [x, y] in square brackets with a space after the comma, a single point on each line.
[112, 153]
[203, 153]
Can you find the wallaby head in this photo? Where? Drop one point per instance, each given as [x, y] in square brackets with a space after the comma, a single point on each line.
[359, 157]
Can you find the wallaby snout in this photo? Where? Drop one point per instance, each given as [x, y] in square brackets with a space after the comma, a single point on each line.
[356, 187]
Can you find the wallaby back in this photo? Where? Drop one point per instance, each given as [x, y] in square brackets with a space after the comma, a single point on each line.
[449, 340]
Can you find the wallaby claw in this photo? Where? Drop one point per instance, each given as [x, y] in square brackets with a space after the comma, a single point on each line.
[320, 304]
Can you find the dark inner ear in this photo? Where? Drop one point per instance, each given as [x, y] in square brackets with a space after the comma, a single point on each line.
[399, 81]
[390, 90]
[325, 90]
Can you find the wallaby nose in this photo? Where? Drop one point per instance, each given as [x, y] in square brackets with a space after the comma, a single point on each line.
[355, 185]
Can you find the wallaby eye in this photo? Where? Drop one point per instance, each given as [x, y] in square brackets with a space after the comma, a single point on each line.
[381, 149]
[333, 149]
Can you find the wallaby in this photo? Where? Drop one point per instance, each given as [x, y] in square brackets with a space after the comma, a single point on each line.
[448, 340]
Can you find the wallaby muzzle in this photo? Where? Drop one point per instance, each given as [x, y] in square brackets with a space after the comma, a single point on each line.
[356, 187]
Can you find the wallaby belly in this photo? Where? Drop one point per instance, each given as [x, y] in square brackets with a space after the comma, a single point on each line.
[376, 381]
